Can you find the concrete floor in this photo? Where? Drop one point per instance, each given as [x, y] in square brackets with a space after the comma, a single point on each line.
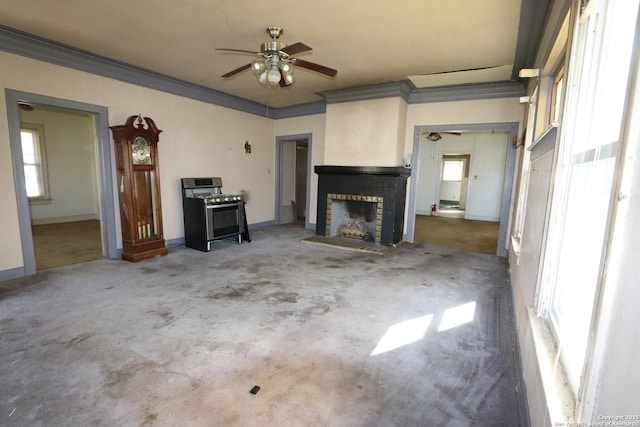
[419, 336]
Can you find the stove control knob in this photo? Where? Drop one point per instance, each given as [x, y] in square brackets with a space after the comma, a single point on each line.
[226, 199]
[217, 199]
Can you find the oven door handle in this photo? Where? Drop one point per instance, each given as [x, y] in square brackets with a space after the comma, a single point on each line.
[223, 205]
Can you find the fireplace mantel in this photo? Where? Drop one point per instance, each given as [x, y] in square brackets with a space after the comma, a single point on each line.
[362, 170]
[388, 183]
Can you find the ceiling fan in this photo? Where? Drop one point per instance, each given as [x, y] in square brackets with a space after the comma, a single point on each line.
[276, 64]
[25, 106]
[436, 136]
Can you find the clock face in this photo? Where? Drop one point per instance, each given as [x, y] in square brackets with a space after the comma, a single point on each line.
[141, 151]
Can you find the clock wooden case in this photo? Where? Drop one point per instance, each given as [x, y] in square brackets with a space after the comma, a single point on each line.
[136, 144]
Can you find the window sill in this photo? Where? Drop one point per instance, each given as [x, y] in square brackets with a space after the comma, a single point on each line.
[549, 131]
[515, 245]
[559, 398]
[40, 201]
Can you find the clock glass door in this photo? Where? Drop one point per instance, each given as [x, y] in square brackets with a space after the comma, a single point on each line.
[145, 199]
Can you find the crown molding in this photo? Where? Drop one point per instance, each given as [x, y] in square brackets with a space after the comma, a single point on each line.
[34, 47]
[401, 88]
[298, 110]
[467, 92]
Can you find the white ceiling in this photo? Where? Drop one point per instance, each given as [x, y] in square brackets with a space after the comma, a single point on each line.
[367, 41]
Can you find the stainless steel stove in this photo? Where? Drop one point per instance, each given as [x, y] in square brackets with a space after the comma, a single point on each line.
[209, 214]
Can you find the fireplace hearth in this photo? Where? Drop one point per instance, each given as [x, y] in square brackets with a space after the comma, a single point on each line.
[361, 202]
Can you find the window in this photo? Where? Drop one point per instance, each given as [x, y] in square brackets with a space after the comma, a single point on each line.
[556, 96]
[597, 84]
[452, 170]
[33, 158]
[523, 188]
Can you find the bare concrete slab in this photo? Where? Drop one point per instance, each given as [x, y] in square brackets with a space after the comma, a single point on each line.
[419, 335]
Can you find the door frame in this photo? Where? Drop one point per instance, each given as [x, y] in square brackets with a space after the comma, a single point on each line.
[512, 128]
[105, 174]
[280, 140]
[466, 158]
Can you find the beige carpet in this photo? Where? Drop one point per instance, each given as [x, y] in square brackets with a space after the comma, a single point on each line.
[457, 233]
[66, 243]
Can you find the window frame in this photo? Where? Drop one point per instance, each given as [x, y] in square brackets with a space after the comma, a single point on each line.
[40, 163]
[557, 97]
[523, 187]
[461, 169]
[589, 70]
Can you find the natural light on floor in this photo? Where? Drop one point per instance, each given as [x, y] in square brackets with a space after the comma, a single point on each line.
[403, 333]
[456, 316]
[413, 330]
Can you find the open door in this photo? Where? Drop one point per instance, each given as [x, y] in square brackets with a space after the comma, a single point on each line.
[293, 175]
[454, 184]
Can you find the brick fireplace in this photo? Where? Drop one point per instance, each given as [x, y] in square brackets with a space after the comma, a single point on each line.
[362, 202]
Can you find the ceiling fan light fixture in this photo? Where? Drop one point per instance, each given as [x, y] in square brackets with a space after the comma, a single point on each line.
[257, 67]
[277, 63]
[288, 79]
[262, 77]
[286, 67]
[274, 76]
[287, 72]
[434, 136]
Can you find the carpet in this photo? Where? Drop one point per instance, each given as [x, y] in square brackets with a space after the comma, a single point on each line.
[457, 233]
[66, 243]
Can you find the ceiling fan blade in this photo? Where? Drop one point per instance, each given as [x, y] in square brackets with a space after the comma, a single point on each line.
[236, 71]
[316, 67]
[296, 48]
[250, 52]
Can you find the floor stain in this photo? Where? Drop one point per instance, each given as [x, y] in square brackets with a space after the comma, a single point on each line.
[166, 316]
[151, 418]
[283, 296]
[79, 339]
[335, 260]
[229, 293]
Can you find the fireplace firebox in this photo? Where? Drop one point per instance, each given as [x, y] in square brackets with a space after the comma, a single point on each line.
[364, 202]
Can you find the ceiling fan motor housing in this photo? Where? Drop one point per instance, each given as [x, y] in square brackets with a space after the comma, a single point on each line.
[272, 47]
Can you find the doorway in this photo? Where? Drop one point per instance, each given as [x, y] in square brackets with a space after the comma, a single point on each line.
[292, 198]
[60, 166]
[76, 194]
[490, 174]
[454, 185]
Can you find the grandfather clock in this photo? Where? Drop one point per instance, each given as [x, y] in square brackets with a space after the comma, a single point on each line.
[138, 183]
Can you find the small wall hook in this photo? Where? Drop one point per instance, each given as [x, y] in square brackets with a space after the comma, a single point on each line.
[247, 147]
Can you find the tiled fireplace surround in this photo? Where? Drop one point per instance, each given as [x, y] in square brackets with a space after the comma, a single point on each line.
[384, 186]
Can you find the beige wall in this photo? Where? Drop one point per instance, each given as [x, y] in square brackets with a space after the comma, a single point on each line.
[198, 139]
[365, 133]
[503, 110]
[201, 139]
[10, 244]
